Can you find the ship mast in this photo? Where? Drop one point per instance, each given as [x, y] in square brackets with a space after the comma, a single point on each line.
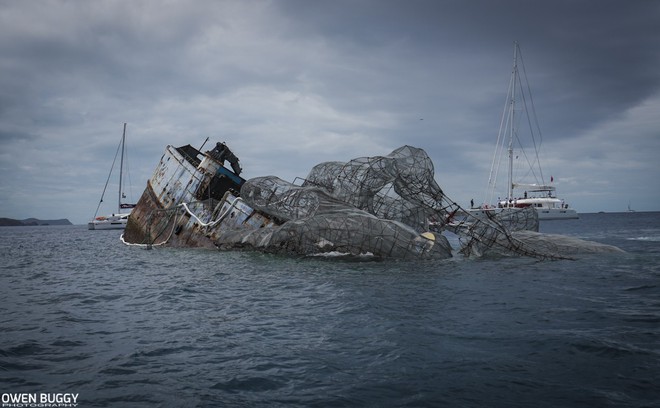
[121, 168]
[512, 113]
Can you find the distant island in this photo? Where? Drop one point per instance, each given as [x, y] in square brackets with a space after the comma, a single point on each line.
[8, 222]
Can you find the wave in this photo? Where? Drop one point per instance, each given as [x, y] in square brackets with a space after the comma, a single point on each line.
[652, 238]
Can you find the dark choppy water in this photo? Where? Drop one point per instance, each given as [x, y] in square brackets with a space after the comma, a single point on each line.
[122, 326]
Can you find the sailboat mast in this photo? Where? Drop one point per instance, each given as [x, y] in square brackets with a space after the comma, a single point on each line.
[512, 113]
[121, 167]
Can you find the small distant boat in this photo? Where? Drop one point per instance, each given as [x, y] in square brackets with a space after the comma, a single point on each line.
[535, 193]
[119, 219]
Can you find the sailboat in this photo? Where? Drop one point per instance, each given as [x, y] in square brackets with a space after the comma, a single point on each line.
[531, 190]
[119, 219]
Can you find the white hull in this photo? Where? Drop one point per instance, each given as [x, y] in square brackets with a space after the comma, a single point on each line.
[544, 214]
[556, 214]
[113, 222]
[547, 208]
[106, 226]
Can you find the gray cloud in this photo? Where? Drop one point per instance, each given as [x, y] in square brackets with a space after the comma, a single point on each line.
[288, 84]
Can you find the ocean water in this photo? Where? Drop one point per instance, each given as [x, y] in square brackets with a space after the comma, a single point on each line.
[81, 313]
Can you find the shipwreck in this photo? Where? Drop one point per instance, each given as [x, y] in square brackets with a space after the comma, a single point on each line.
[382, 206]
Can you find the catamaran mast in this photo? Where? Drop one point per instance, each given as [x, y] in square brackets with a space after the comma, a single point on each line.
[512, 113]
[121, 168]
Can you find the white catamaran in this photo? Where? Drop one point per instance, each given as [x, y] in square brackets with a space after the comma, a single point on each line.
[119, 219]
[531, 190]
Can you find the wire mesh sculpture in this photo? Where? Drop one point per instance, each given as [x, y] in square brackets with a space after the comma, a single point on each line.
[383, 205]
[315, 221]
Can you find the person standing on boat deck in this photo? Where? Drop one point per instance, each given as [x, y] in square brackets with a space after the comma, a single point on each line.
[472, 203]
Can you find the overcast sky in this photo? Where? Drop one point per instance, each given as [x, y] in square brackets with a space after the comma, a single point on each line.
[288, 84]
